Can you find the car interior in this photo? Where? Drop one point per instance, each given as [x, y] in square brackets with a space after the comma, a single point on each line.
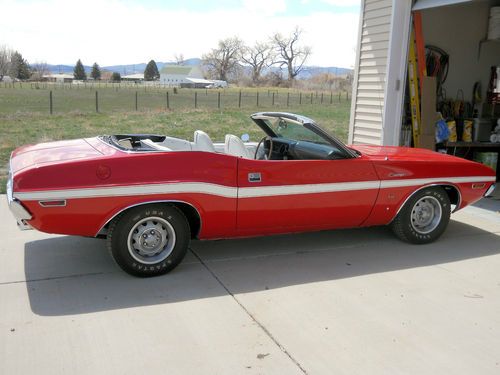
[269, 148]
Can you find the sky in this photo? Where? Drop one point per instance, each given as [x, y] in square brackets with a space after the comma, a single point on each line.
[113, 32]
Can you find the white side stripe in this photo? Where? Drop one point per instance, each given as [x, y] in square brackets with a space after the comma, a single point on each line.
[268, 191]
[425, 181]
[117, 191]
[233, 192]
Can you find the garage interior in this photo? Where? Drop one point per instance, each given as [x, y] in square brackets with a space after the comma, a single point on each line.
[459, 93]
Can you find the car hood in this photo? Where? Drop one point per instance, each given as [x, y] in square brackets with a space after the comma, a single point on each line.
[50, 153]
[403, 153]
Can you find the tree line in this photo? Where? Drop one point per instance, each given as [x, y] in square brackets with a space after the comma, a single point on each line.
[231, 56]
[229, 61]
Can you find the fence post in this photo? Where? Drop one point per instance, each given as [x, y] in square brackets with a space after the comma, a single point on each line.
[168, 101]
[321, 98]
[239, 100]
[218, 99]
[339, 96]
[136, 100]
[300, 98]
[273, 99]
[312, 98]
[257, 99]
[287, 99]
[195, 99]
[50, 102]
[331, 97]
[347, 95]
[96, 102]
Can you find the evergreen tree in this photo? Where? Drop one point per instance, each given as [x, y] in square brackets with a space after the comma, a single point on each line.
[79, 71]
[96, 72]
[151, 73]
[116, 77]
[19, 67]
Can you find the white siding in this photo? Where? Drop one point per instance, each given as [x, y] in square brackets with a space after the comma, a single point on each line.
[370, 76]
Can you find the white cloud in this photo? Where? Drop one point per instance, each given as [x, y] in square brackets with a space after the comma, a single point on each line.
[264, 7]
[343, 3]
[112, 32]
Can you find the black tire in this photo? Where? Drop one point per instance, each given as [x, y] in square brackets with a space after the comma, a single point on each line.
[418, 221]
[166, 233]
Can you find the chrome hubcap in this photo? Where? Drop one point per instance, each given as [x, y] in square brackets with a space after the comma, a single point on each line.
[151, 240]
[426, 215]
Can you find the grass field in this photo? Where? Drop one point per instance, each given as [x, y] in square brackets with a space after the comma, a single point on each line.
[36, 98]
[20, 127]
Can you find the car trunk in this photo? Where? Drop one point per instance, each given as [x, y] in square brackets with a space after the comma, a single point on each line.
[51, 153]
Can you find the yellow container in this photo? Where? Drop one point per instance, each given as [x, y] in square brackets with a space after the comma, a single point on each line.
[452, 127]
[467, 133]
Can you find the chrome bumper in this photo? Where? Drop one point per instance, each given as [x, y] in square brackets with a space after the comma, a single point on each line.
[20, 213]
[490, 191]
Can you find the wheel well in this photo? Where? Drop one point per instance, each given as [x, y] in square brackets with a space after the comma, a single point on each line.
[453, 194]
[192, 216]
[451, 190]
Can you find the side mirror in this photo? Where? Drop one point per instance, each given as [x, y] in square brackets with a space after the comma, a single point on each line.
[245, 137]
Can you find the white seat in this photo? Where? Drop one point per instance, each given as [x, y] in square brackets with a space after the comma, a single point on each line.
[149, 143]
[235, 146]
[202, 142]
[176, 144]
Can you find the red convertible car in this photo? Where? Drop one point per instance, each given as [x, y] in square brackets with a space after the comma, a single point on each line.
[148, 195]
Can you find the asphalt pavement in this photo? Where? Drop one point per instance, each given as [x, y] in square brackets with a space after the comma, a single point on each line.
[333, 302]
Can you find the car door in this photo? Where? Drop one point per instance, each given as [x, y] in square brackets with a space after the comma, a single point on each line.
[294, 195]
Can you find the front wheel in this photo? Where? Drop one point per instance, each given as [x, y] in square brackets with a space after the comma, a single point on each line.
[424, 217]
[149, 240]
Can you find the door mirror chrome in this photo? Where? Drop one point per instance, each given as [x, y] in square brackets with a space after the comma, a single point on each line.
[245, 137]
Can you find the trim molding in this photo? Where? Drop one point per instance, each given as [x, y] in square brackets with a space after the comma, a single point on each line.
[234, 192]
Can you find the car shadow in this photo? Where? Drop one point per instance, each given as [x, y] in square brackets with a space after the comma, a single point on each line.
[70, 275]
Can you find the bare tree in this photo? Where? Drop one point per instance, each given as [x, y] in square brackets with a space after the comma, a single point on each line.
[5, 57]
[223, 60]
[40, 69]
[179, 59]
[260, 56]
[290, 53]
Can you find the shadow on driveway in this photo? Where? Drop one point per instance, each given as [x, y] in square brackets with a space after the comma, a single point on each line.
[70, 275]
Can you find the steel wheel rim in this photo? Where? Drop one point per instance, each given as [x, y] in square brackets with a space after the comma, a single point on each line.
[151, 240]
[426, 214]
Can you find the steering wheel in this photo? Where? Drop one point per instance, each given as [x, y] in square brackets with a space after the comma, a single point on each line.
[268, 156]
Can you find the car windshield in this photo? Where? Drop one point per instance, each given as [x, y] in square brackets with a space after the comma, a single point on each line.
[292, 130]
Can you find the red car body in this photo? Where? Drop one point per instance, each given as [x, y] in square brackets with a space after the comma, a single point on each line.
[78, 187]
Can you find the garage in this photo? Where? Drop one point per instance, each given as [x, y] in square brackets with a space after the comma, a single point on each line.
[456, 49]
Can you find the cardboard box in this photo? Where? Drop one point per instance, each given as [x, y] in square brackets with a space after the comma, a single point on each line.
[428, 103]
[427, 141]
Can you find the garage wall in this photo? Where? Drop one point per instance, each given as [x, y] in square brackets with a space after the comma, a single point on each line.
[370, 75]
[458, 30]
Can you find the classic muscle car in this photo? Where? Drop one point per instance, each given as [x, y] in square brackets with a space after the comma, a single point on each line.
[149, 195]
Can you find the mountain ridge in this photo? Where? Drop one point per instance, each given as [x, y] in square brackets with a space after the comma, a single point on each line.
[125, 69]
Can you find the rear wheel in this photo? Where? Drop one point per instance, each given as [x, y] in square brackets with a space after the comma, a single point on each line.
[424, 217]
[149, 240]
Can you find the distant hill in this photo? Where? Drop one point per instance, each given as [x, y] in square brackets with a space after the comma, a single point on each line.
[308, 71]
[122, 69]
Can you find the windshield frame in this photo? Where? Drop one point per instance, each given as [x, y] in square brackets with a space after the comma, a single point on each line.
[260, 117]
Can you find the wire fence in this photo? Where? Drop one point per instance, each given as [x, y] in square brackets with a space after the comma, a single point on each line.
[107, 97]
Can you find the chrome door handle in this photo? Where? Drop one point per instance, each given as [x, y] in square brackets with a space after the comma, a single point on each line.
[254, 177]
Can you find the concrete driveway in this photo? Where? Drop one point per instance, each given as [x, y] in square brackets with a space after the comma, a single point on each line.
[334, 302]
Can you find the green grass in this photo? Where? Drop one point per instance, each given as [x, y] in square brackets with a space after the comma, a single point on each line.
[35, 98]
[19, 128]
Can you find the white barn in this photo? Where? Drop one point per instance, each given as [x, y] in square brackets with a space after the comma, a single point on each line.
[175, 75]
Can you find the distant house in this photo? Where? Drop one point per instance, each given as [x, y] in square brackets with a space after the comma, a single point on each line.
[176, 75]
[59, 77]
[136, 77]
